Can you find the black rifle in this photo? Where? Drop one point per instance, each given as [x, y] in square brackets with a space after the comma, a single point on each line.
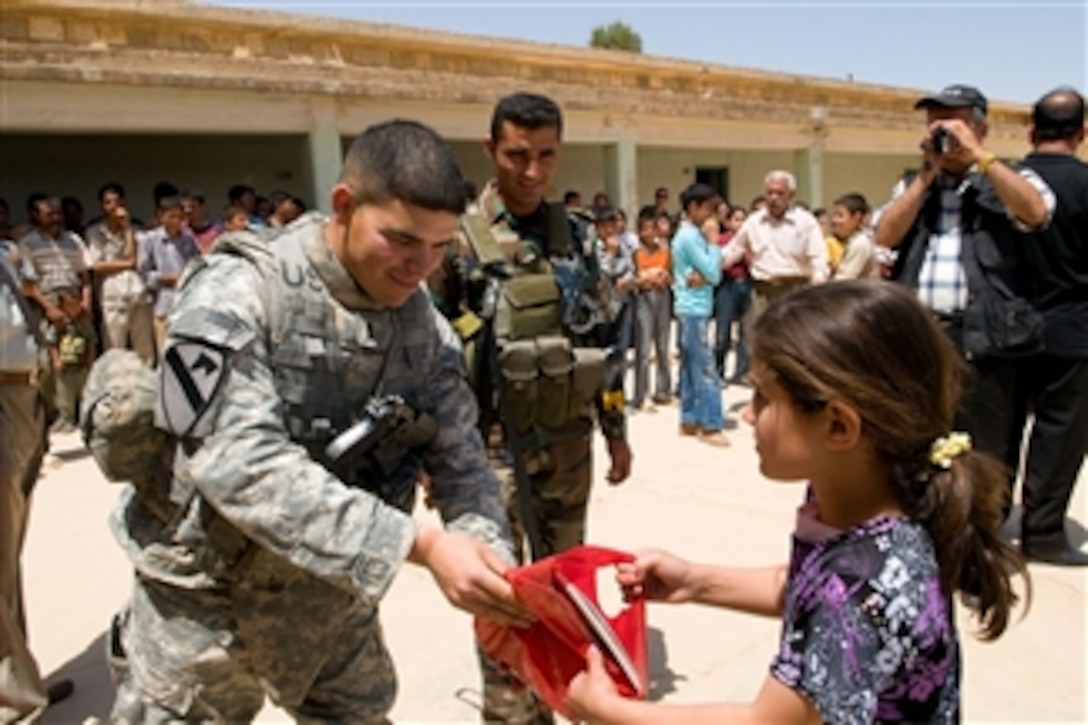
[490, 379]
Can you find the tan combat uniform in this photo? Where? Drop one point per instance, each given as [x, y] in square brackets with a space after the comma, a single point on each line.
[553, 408]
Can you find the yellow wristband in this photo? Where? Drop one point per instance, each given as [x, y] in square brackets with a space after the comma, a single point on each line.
[985, 161]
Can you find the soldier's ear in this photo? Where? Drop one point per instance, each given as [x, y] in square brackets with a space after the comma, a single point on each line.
[342, 202]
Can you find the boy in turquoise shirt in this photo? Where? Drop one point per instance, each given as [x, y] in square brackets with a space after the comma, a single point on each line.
[696, 269]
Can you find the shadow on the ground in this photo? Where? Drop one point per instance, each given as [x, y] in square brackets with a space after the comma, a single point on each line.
[662, 679]
[72, 454]
[93, 695]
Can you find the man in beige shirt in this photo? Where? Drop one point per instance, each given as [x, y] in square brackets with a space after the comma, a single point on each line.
[783, 243]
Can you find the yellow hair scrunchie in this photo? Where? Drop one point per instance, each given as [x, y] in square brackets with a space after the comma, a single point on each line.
[946, 448]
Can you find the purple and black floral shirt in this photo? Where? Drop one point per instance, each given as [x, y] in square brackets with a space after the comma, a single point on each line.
[867, 635]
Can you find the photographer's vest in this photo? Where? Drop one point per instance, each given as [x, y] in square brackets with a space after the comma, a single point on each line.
[549, 380]
[989, 253]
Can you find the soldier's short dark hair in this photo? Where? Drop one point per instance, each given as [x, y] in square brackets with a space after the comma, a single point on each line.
[1059, 115]
[697, 194]
[111, 187]
[526, 110]
[406, 161]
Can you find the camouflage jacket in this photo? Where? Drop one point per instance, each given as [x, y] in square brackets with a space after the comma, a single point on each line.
[264, 394]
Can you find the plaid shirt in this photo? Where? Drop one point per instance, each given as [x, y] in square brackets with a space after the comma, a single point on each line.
[942, 284]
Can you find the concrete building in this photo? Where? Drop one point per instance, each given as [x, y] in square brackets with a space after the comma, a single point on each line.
[141, 91]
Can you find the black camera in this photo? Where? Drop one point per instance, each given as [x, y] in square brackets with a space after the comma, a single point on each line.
[941, 141]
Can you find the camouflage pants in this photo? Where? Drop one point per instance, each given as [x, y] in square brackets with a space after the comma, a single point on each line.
[176, 656]
[560, 477]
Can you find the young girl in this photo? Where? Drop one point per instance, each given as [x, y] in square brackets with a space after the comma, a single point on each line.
[855, 391]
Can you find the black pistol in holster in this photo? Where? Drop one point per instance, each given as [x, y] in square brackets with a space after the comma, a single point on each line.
[387, 423]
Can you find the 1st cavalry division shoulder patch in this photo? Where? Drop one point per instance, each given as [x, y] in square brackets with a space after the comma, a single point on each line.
[191, 375]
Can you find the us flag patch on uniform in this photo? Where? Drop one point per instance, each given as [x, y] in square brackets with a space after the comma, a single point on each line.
[191, 374]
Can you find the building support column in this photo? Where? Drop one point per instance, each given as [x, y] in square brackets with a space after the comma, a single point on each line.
[809, 163]
[621, 176]
[325, 153]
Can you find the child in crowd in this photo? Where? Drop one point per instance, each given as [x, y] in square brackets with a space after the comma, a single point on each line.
[848, 223]
[856, 388]
[164, 253]
[653, 311]
[71, 349]
[617, 275]
[235, 218]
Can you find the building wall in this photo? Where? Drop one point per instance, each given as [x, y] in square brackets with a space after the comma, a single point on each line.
[79, 165]
[872, 175]
[675, 170]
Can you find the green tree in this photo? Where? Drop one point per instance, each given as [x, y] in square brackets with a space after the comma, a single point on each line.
[616, 36]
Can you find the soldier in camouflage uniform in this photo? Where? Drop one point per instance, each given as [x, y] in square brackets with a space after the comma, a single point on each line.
[513, 216]
[259, 570]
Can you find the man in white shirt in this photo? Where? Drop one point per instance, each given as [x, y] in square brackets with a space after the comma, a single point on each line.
[783, 243]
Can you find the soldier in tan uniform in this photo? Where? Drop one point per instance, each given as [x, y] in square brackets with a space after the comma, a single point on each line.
[550, 369]
[304, 386]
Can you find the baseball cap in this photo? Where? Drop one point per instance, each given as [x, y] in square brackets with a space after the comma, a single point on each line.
[955, 96]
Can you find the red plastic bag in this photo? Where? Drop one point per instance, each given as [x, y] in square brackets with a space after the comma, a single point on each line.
[547, 655]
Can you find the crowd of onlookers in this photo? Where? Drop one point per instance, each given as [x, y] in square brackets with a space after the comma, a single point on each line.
[710, 266]
[108, 282]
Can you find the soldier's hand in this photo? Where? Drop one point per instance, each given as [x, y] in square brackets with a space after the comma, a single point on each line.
[620, 453]
[469, 573]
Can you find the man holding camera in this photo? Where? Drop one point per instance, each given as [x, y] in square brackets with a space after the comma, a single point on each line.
[955, 224]
[263, 552]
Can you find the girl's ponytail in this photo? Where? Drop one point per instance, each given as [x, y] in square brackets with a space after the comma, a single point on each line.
[960, 500]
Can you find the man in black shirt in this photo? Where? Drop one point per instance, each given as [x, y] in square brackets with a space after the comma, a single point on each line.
[1056, 381]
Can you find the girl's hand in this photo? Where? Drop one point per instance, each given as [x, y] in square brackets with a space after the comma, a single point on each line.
[592, 694]
[658, 577]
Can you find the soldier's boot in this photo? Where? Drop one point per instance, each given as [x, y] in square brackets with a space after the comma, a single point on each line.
[505, 700]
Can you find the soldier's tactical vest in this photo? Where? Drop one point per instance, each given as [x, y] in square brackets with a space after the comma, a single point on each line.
[327, 364]
[539, 312]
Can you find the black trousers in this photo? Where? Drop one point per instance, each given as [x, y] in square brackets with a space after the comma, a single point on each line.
[991, 409]
[1056, 390]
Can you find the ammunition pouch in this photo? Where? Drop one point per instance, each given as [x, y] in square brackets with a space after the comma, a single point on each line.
[528, 307]
[549, 383]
